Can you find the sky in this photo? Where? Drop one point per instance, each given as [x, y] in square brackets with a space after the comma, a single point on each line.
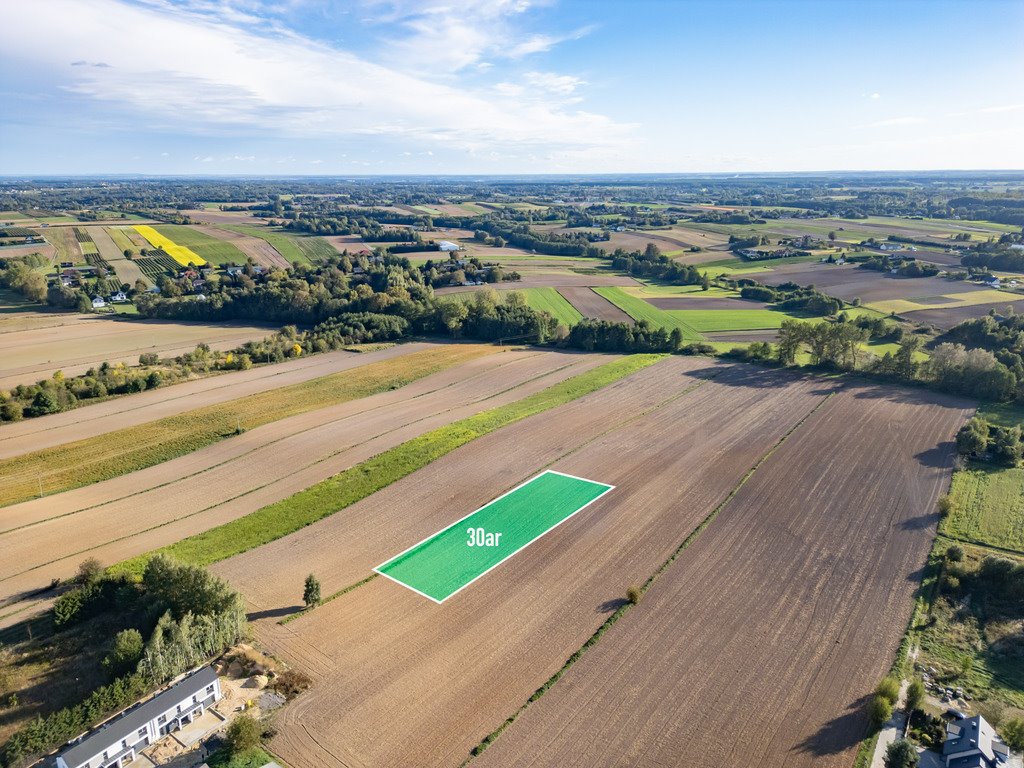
[358, 87]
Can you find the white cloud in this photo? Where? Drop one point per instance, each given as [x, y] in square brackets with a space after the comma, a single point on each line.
[896, 121]
[196, 73]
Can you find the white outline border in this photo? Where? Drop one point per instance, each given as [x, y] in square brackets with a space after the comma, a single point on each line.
[608, 489]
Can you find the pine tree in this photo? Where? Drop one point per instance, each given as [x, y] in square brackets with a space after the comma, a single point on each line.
[311, 594]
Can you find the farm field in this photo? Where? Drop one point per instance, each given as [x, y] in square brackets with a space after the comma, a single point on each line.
[180, 253]
[560, 587]
[74, 347]
[848, 282]
[214, 250]
[306, 249]
[591, 304]
[99, 418]
[219, 483]
[255, 248]
[987, 507]
[551, 280]
[795, 596]
[126, 271]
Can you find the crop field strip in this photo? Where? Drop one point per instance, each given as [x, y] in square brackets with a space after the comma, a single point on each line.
[593, 305]
[559, 586]
[111, 415]
[987, 507]
[213, 250]
[796, 594]
[36, 353]
[223, 483]
[126, 271]
[305, 249]
[256, 248]
[87, 461]
[180, 253]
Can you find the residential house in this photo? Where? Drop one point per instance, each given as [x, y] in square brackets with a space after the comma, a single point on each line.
[119, 296]
[116, 743]
[890, 246]
[992, 282]
[98, 302]
[972, 743]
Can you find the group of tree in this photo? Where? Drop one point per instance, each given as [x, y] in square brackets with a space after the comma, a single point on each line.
[188, 616]
[980, 439]
[652, 264]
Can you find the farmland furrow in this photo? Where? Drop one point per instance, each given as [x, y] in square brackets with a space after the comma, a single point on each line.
[441, 677]
[795, 597]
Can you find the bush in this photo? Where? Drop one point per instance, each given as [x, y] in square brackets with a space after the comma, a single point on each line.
[879, 711]
[149, 358]
[12, 411]
[89, 571]
[633, 595]
[291, 683]
[125, 654]
[915, 694]
[1013, 734]
[955, 553]
[889, 689]
[243, 734]
[901, 754]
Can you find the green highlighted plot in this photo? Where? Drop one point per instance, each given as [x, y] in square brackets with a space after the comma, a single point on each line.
[455, 557]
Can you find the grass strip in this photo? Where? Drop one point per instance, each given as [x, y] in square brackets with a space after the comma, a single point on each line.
[639, 309]
[622, 609]
[346, 488]
[73, 465]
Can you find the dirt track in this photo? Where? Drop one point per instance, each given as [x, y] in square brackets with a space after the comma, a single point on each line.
[141, 511]
[34, 354]
[403, 681]
[99, 418]
[593, 305]
[795, 598]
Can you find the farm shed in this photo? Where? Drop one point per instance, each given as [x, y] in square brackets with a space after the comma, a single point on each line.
[115, 744]
[447, 246]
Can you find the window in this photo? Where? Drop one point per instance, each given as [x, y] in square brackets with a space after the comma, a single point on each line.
[195, 699]
[209, 689]
[162, 719]
[142, 733]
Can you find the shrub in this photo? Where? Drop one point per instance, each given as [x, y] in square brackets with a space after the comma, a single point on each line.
[915, 694]
[889, 689]
[1013, 734]
[633, 595]
[13, 411]
[955, 553]
[291, 683]
[149, 358]
[879, 711]
[243, 734]
[311, 592]
[89, 571]
[125, 654]
[901, 754]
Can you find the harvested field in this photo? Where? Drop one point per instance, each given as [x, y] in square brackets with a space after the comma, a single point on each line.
[14, 251]
[590, 304]
[796, 596]
[208, 216]
[229, 479]
[744, 336]
[847, 282]
[66, 244]
[99, 418]
[437, 679]
[351, 243]
[17, 315]
[695, 301]
[33, 354]
[255, 248]
[126, 271]
[947, 317]
[552, 279]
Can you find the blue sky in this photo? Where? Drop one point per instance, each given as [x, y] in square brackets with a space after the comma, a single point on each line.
[509, 86]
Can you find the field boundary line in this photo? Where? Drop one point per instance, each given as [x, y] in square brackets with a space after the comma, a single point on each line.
[981, 544]
[623, 609]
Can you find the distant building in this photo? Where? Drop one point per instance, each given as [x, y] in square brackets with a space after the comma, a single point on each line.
[119, 296]
[115, 744]
[973, 743]
[447, 246]
[993, 282]
[98, 302]
[890, 246]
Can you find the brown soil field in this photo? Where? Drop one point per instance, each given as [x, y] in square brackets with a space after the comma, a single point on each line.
[847, 282]
[144, 510]
[26, 318]
[552, 279]
[795, 597]
[207, 216]
[947, 318]
[37, 353]
[695, 301]
[667, 240]
[126, 271]
[259, 250]
[593, 305]
[350, 243]
[403, 681]
[13, 251]
[99, 418]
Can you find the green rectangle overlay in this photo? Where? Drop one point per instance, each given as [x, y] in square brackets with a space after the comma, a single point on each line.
[445, 563]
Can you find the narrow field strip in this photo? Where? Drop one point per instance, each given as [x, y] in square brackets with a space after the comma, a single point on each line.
[179, 253]
[625, 607]
[330, 496]
[639, 309]
[448, 562]
[87, 461]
